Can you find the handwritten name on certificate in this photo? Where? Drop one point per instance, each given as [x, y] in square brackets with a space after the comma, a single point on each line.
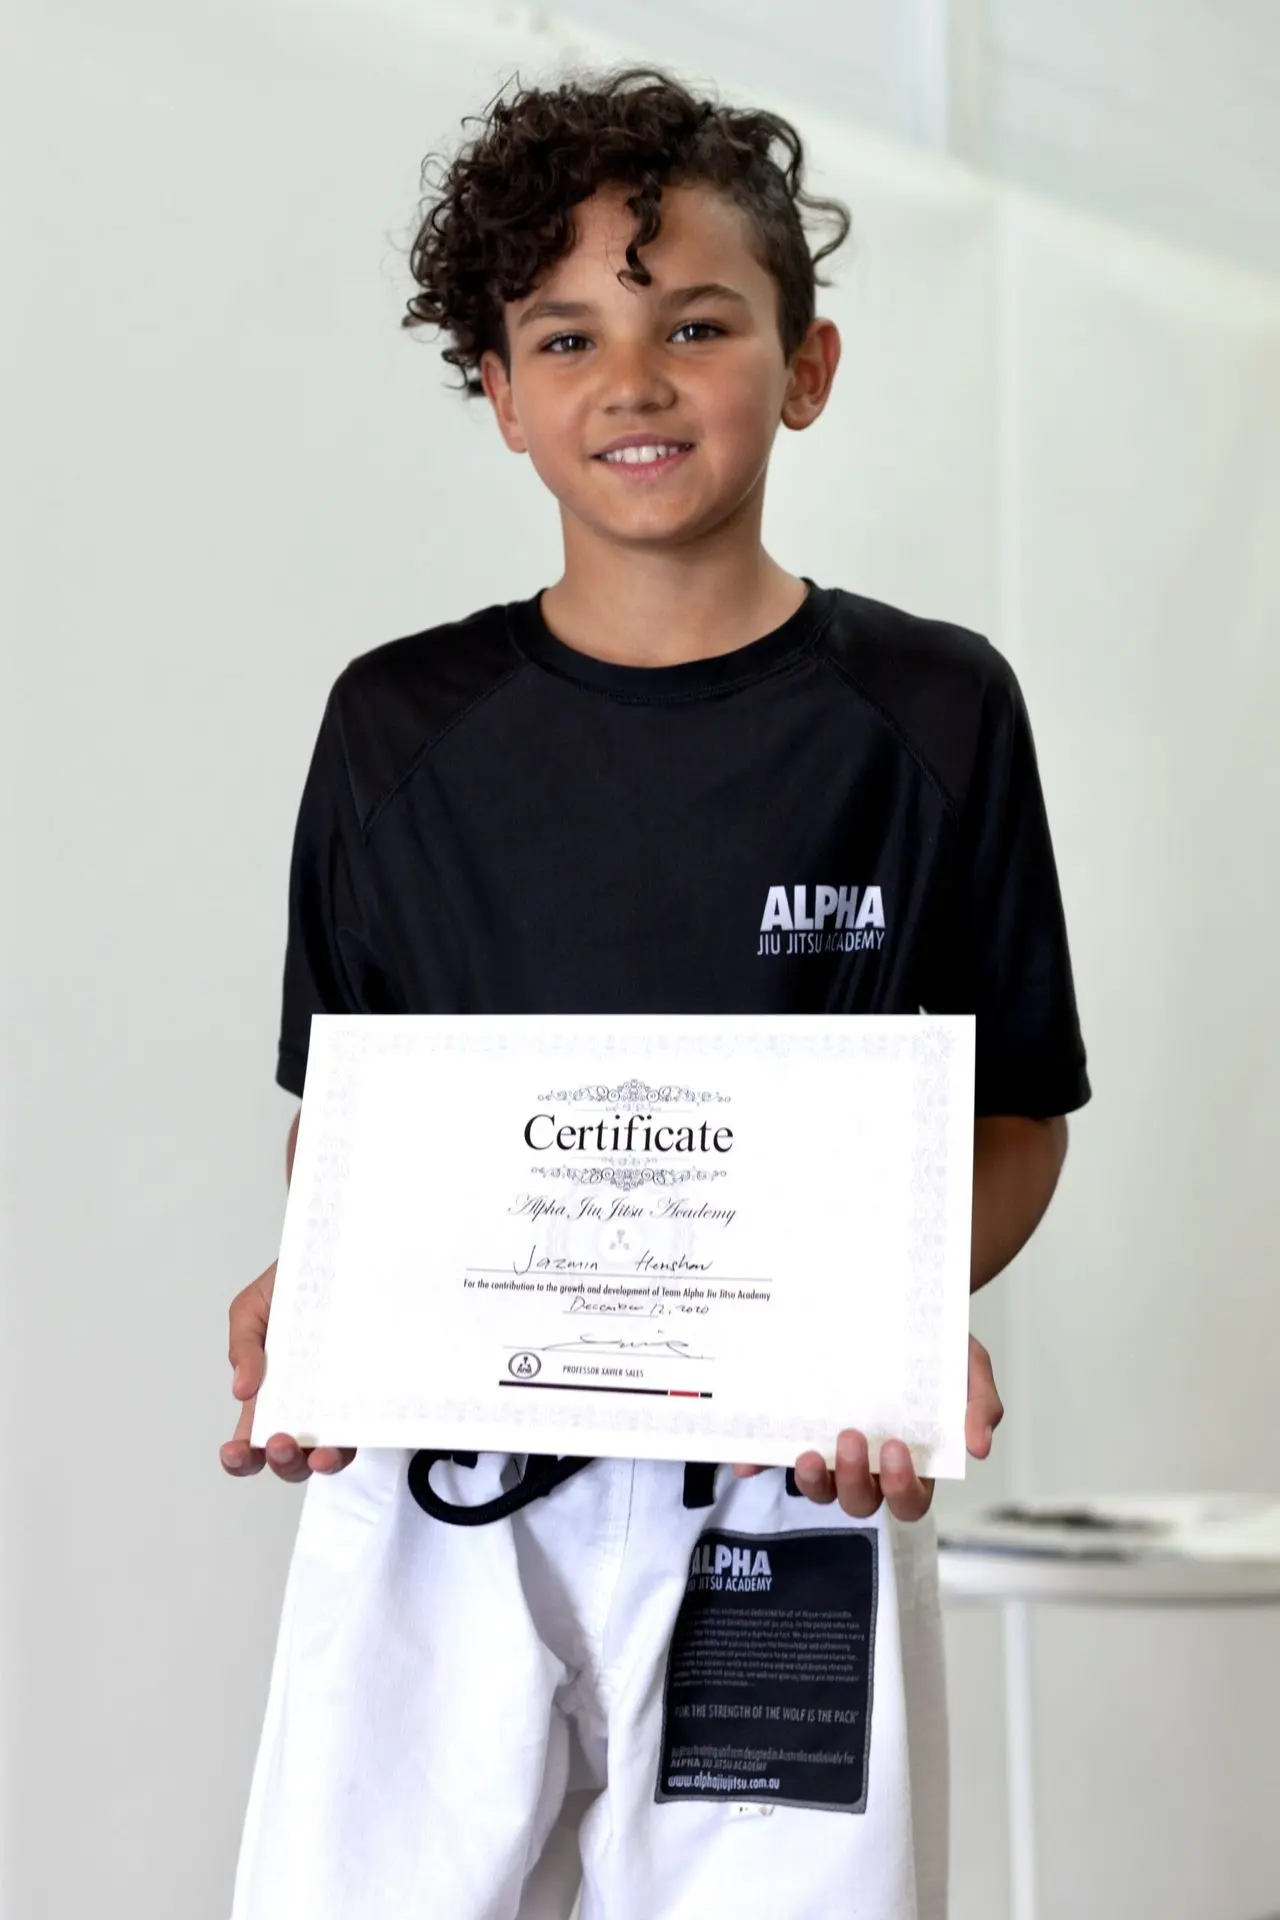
[664, 1237]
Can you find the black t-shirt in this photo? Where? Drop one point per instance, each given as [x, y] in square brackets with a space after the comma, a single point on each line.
[843, 816]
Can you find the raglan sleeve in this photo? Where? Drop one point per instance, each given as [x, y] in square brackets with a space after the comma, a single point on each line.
[331, 961]
[1000, 949]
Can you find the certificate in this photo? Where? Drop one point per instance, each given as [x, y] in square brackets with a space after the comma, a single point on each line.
[667, 1237]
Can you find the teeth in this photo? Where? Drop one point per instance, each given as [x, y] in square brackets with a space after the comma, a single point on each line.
[639, 456]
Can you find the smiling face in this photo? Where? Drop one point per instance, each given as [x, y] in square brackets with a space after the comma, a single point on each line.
[704, 368]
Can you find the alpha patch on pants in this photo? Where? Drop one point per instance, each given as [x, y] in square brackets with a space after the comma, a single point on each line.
[768, 1685]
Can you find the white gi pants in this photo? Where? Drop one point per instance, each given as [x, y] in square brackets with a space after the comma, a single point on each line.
[461, 1720]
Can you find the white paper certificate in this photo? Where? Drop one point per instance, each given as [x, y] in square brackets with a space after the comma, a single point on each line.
[665, 1237]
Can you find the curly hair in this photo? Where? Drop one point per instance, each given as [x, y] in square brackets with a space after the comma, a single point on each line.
[502, 213]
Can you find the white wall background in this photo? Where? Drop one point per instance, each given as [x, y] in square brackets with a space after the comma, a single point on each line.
[230, 471]
[1158, 112]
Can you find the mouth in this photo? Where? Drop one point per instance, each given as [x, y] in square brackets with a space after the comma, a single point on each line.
[641, 463]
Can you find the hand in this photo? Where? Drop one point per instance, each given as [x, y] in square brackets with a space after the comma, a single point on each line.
[860, 1492]
[247, 1354]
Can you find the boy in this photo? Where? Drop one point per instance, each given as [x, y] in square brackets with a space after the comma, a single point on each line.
[596, 799]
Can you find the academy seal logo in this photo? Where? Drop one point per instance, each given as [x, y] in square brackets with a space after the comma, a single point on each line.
[524, 1365]
[832, 920]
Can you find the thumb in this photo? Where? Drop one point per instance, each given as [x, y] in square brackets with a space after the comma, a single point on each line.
[248, 1324]
[247, 1355]
[246, 1380]
[985, 1410]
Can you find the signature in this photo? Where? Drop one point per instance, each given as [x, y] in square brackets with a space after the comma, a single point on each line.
[680, 1348]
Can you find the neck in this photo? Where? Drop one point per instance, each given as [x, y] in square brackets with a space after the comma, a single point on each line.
[662, 610]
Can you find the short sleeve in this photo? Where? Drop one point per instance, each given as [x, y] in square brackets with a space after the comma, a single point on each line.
[999, 948]
[331, 963]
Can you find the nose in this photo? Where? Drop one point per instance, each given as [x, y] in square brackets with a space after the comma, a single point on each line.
[632, 379]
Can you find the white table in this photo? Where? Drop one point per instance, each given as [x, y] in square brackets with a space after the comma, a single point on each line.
[1017, 1577]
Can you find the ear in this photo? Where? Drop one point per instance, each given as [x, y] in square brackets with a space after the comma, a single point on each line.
[498, 391]
[813, 368]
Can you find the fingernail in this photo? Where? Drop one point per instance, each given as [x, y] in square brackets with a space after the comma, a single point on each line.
[809, 1476]
[846, 1451]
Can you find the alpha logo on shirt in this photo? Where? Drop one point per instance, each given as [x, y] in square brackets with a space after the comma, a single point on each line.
[842, 920]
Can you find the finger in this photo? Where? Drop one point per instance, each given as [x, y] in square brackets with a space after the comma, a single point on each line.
[745, 1473]
[856, 1487]
[241, 1459]
[287, 1459]
[331, 1459]
[239, 1456]
[907, 1496]
[985, 1410]
[814, 1479]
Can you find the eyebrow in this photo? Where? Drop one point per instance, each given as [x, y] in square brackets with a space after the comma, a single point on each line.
[678, 297]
